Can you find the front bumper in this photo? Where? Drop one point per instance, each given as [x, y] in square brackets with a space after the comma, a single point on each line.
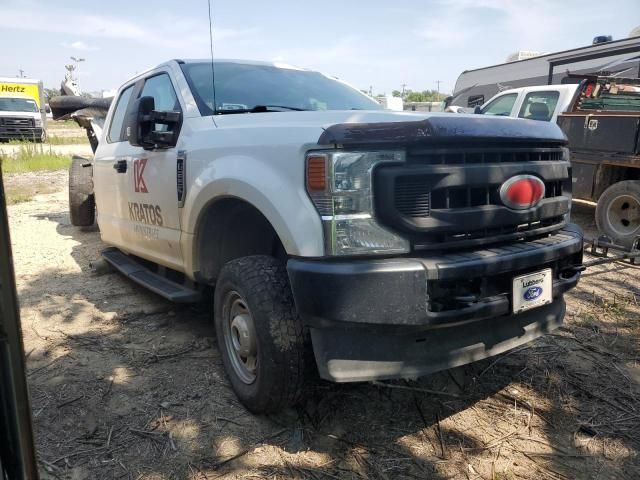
[372, 319]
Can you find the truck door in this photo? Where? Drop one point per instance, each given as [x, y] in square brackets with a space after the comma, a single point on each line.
[111, 184]
[152, 209]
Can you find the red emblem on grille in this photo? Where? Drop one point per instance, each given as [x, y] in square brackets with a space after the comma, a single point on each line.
[522, 192]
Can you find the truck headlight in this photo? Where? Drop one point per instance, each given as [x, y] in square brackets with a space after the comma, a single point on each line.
[38, 122]
[340, 186]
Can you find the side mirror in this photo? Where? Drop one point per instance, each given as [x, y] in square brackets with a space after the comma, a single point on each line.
[477, 109]
[152, 129]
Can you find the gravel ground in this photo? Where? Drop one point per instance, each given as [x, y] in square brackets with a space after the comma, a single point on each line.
[126, 385]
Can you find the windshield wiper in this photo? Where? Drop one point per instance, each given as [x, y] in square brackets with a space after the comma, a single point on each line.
[260, 109]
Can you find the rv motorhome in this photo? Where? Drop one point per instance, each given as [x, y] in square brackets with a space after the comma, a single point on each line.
[610, 58]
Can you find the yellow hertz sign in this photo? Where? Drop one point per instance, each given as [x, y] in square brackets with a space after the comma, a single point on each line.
[20, 90]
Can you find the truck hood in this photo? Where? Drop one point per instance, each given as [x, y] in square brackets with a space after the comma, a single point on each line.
[4, 113]
[376, 127]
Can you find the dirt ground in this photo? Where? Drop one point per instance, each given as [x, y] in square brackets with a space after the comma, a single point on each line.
[127, 386]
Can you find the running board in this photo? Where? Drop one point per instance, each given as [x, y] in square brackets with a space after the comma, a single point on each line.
[128, 266]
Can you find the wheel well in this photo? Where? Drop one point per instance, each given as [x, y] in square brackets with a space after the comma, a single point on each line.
[231, 228]
[609, 174]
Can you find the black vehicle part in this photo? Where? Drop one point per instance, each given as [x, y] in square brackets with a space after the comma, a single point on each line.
[255, 317]
[82, 203]
[443, 129]
[381, 352]
[129, 266]
[62, 107]
[449, 197]
[17, 457]
[428, 290]
[85, 111]
[618, 212]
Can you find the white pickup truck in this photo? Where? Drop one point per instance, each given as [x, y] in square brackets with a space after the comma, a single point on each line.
[389, 244]
[543, 103]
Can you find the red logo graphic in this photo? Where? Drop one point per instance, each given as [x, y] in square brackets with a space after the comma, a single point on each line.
[138, 172]
[522, 192]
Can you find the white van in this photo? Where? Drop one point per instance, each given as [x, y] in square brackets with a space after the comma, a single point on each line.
[544, 102]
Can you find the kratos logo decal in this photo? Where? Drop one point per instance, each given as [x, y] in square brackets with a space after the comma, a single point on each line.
[138, 175]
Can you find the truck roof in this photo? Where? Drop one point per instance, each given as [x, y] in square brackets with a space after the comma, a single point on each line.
[542, 88]
[30, 81]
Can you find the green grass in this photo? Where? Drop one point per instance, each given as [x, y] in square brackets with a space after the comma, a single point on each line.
[34, 158]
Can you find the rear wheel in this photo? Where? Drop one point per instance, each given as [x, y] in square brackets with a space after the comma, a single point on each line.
[259, 333]
[82, 204]
[618, 212]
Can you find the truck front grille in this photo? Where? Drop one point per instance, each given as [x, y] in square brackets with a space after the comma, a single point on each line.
[447, 197]
[16, 122]
[475, 155]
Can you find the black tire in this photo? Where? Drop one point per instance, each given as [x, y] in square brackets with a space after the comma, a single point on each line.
[618, 212]
[262, 283]
[82, 204]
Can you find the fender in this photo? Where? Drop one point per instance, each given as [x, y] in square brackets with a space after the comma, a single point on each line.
[288, 210]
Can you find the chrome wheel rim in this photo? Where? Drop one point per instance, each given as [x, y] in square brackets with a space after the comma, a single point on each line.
[624, 215]
[240, 337]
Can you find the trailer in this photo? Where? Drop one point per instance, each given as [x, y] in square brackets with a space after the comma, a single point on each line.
[612, 58]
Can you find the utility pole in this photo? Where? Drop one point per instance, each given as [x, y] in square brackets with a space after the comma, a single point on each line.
[403, 88]
[22, 75]
[438, 82]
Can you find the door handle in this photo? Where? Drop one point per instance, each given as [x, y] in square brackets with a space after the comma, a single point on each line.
[120, 166]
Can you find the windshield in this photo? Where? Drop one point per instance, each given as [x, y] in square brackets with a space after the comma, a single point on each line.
[17, 105]
[242, 87]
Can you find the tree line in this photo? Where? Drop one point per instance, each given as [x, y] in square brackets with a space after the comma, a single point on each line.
[423, 96]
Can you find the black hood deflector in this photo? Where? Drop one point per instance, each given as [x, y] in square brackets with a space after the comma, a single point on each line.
[444, 129]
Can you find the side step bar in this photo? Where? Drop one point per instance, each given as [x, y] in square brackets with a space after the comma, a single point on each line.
[128, 266]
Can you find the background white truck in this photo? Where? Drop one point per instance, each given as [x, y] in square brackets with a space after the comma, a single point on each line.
[22, 109]
[543, 103]
[388, 244]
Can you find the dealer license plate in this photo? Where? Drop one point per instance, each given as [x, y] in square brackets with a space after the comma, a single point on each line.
[532, 290]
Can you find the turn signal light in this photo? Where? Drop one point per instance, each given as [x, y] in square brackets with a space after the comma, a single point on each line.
[316, 173]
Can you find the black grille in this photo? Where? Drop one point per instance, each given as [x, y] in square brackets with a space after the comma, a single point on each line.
[16, 122]
[442, 198]
[479, 155]
[414, 198]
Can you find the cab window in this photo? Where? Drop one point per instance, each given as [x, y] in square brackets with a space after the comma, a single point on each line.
[539, 105]
[501, 106]
[115, 129]
[164, 96]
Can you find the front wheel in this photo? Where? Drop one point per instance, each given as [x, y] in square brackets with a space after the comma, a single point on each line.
[259, 333]
[618, 212]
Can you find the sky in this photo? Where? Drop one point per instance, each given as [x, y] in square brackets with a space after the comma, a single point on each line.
[372, 43]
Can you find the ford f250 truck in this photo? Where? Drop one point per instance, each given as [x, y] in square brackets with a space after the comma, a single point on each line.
[389, 244]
